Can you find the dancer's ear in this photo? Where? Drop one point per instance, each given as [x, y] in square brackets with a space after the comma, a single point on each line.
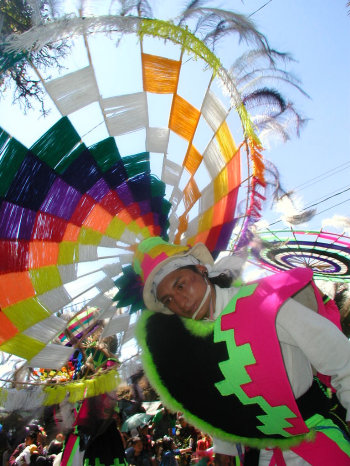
[202, 270]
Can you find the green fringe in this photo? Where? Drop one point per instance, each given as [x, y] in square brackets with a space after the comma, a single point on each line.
[171, 403]
[137, 164]
[188, 41]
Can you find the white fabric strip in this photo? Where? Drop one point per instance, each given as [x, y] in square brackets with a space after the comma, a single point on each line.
[213, 111]
[207, 199]
[73, 91]
[213, 159]
[116, 325]
[25, 399]
[46, 330]
[171, 172]
[56, 299]
[53, 356]
[157, 140]
[68, 273]
[126, 113]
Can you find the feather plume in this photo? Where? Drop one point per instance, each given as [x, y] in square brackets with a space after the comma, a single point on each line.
[214, 24]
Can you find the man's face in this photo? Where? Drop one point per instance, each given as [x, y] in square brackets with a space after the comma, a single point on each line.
[182, 291]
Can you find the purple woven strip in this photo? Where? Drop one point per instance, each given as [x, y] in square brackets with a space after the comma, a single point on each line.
[99, 190]
[16, 222]
[124, 194]
[61, 200]
[145, 207]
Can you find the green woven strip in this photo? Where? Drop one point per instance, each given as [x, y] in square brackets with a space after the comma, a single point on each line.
[68, 253]
[89, 236]
[12, 155]
[45, 279]
[105, 153]
[26, 313]
[56, 143]
[157, 187]
[235, 374]
[23, 346]
[137, 164]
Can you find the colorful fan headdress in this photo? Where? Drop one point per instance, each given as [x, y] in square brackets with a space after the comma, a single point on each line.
[73, 208]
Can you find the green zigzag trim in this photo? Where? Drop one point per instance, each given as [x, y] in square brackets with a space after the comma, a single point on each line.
[235, 374]
[171, 403]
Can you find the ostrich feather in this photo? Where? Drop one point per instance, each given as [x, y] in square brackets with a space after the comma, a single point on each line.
[214, 24]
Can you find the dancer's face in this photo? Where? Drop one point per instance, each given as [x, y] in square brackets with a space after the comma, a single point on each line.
[182, 291]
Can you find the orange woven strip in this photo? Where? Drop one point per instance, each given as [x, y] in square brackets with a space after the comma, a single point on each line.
[160, 75]
[98, 219]
[191, 194]
[234, 171]
[226, 143]
[11, 292]
[7, 329]
[183, 118]
[219, 212]
[42, 254]
[183, 224]
[192, 159]
[71, 233]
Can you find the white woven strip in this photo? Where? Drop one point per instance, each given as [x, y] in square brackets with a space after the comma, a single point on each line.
[101, 301]
[116, 325]
[129, 334]
[192, 228]
[176, 197]
[112, 270]
[87, 253]
[128, 237]
[16, 400]
[107, 242]
[213, 111]
[47, 329]
[52, 356]
[105, 284]
[68, 273]
[171, 172]
[126, 258]
[173, 224]
[55, 299]
[157, 140]
[73, 91]
[213, 159]
[126, 113]
[207, 199]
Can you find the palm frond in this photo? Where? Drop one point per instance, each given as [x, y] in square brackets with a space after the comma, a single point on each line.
[257, 58]
[140, 8]
[256, 81]
[270, 99]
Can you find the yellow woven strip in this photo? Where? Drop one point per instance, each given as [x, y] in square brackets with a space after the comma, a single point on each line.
[54, 394]
[183, 118]
[205, 221]
[26, 313]
[89, 236]
[191, 194]
[68, 254]
[226, 143]
[45, 279]
[160, 75]
[192, 159]
[221, 185]
[116, 228]
[22, 346]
